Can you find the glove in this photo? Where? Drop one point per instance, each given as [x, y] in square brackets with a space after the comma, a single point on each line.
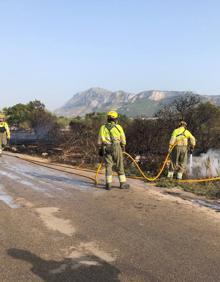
[123, 148]
[191, 149]
[101, 153]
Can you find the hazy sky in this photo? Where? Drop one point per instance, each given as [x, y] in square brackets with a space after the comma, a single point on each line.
[50, 49]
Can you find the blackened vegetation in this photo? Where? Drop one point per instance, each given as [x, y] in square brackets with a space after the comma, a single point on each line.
[147, 138]
[80, 146]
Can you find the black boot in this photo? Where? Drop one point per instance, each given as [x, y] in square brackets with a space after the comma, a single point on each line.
[108, 186]
[124, 185]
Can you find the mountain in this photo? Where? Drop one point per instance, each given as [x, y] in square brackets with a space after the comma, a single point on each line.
[94, 100]
[145, 103]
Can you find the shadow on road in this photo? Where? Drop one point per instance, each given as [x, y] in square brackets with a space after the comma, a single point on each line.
[81, 269]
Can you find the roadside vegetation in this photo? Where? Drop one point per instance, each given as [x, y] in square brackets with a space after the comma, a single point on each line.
[210, 190]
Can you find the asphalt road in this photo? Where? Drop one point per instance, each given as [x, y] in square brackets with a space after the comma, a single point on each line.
[58, 227]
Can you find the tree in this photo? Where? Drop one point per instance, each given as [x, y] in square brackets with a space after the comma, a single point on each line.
[33, 115]
[180, 108]
[184, 104]
[24, 114]
[205, 123]
[17, 114]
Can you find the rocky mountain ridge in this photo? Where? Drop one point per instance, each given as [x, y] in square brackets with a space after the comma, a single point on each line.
[145, 103]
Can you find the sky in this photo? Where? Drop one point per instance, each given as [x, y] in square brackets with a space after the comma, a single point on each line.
[51, 49]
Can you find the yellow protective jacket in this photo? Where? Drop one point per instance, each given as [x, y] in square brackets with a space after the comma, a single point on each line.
[5, 129]
[117, 134]
[180, 137]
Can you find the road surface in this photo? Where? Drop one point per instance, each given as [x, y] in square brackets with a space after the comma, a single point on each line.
[58, 227]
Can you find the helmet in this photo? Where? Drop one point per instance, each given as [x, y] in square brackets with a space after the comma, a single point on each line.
[183, 123]
[112, 114]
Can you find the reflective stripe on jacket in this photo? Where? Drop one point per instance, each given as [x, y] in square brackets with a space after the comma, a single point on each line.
[180, 137]
[4, 124]
[117, 134]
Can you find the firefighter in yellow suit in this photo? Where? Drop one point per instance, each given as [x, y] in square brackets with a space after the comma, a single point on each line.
[4, 132]
[179, 139]
[112, 141]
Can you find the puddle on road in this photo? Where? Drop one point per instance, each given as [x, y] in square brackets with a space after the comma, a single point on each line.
[8, 200]
[203, 203]
[48, 177]
[25, 171]
[24, 182]
[79, 184]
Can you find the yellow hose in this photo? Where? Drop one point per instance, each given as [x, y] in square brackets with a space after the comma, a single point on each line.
[142, 173]
[199, 180]
[97, 172]
[144, 176]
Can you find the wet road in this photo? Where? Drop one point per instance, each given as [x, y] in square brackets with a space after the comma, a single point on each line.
[58, 227]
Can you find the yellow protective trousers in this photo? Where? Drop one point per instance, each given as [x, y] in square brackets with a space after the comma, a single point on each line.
[3, 140]
[178, 159]
[115, 157]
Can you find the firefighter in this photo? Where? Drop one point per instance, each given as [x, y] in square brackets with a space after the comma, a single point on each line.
[179, 139]
[112, 143]
[4, 133]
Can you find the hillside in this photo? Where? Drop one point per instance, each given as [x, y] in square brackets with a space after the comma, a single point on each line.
[145, 103]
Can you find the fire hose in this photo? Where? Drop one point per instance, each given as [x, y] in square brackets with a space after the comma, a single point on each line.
[151, 179]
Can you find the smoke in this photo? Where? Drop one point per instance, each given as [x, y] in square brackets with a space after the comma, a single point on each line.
[205, 165]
